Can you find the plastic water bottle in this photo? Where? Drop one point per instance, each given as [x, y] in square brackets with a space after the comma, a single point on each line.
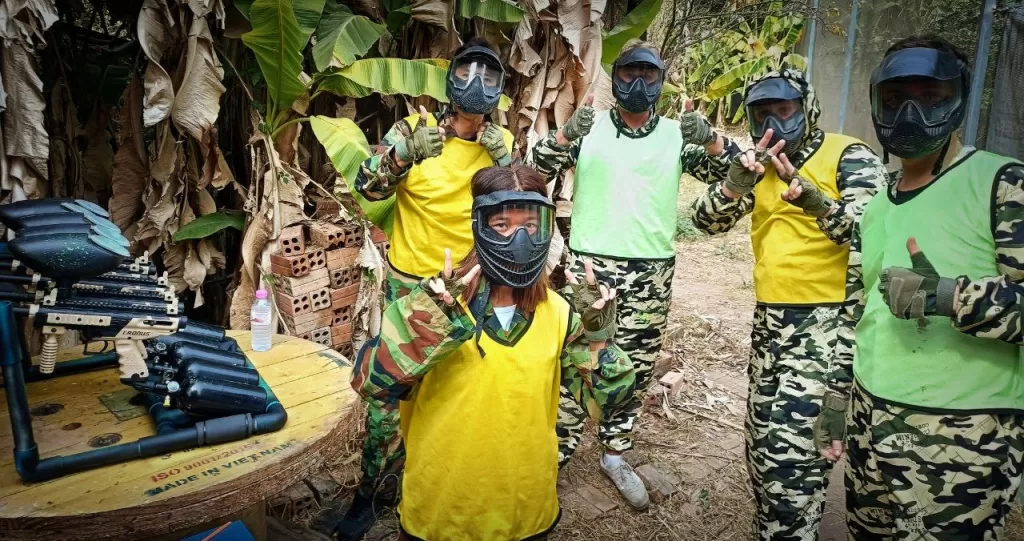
[259, 322]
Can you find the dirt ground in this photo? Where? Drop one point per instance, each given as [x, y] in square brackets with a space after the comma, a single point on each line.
[695, 437]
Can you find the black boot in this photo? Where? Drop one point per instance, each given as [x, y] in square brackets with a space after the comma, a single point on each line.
[357, 520]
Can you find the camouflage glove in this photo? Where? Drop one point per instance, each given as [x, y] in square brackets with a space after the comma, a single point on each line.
[831, 422]
[494, 141]
[919, 291]
[454, 286]
[811, 199]
[696, 129]
[742, 180]
[579, 123]
[425, 142]
[598, 324]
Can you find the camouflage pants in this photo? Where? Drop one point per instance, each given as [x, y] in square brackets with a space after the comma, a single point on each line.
[644, 292]
[912, 475]
[383, 450]
[790, 353]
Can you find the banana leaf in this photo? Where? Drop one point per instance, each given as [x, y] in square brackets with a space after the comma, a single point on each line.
[277, 41]
[491, 10]
[343, 36]
[632, 26]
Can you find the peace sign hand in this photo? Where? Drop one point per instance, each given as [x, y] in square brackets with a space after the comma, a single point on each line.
[595, 303]
[748, 167]
[802, 193]
[445, 287]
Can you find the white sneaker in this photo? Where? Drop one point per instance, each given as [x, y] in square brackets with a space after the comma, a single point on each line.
[628, 482]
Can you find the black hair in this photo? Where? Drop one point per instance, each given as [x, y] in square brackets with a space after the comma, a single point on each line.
[928, 41]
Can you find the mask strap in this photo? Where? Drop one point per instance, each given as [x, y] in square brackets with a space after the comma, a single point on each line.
[885, 157]
[476, 309]
[937, 168]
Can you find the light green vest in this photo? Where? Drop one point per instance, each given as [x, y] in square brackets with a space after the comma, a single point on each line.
[625, 192]
[930, 364]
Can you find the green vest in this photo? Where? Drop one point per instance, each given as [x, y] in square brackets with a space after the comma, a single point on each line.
[930, 364]
[625, 192]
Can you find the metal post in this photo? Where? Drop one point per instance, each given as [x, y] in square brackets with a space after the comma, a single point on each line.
[851, 40]
[810, 42]
[978, 74]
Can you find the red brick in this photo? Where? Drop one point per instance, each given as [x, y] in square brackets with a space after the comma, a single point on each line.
[342, 258]
[377, 235]
[292, 240]
[345, 350]
[672, 381]
[293, 306]
[317, 279]
[298, 265]
[305, 323]
[342, 316]
[320, 299]
[321, 336]
[353, 235]
[327, 235]
[659, 486]
[346, 296]
[340, 278]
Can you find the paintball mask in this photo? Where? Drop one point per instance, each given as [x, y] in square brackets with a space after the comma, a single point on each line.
[777, 105]
[637, 77]
[475, 80]
[918, 99]
[512, 231]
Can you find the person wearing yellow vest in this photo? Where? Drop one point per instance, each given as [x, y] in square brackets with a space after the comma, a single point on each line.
[804, 188]
[478, 357]
[934, 416]
[629, 162]
[426, 161]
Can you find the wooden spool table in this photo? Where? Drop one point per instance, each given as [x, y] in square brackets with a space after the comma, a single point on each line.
[184, 492]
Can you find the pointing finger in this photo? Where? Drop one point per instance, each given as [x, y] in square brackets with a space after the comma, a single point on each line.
[777, 147]
[588, 269]
[447, 263]
[790, 170]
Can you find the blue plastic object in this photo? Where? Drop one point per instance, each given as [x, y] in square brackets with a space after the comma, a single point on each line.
[236, 531]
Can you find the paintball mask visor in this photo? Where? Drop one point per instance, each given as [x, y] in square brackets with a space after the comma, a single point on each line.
[478, 63]
[776, 104]
[513, 231]
[921, 83]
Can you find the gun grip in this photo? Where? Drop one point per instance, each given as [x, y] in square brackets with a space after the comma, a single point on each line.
[131, 358]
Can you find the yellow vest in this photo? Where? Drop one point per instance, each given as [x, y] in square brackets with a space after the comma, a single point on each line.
[794, 262]
[481, 450]
[433, 206]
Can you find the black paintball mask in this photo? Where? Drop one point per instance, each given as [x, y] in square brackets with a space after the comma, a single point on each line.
[918, 99]
[512, 231]
[637, 77]
[777, 105]
[475, 80]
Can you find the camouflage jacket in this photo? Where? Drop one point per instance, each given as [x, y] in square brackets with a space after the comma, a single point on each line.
[860, 175]
[551, 159]
[379, 175]
[418, 331]
[989, 307]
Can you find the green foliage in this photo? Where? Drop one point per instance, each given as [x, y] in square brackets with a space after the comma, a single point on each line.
[492, 10]
[723, 66]
[631, 27]
[205, 226]
[277, 40]
[342, 37]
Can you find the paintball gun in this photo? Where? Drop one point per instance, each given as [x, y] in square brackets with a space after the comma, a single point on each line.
[67, 267]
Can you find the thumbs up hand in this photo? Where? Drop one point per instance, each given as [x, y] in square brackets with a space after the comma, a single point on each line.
[424, 142]
[581, 121]
[919, 291]
[694, 127]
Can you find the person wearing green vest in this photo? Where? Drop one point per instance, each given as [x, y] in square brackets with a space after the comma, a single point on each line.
[934, 416]
[629, 162]
[804, 188]
[427, 162]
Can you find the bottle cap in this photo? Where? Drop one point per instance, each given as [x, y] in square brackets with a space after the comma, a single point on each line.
[261, 294]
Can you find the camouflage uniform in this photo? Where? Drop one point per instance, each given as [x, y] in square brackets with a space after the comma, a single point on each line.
[383, 452]
[643, 286]
[791, 349]
[914, 474]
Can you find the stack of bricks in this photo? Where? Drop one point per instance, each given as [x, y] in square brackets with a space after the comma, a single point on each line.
[380, 240]
[317, 282]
